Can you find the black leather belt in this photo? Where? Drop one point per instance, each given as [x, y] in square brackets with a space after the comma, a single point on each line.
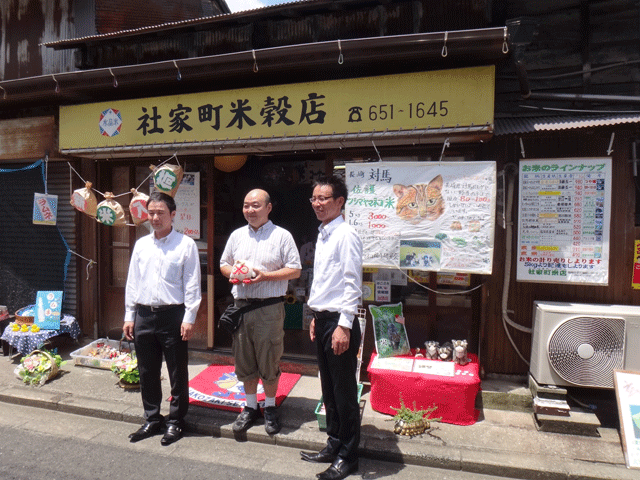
[264, 301]
[159, 308]
[323, 315]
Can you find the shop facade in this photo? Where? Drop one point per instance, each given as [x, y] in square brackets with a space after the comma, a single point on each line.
[281, 146]
[273, 54]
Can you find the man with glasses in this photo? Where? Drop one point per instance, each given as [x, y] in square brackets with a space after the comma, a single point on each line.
[335, 294]
[258, 343]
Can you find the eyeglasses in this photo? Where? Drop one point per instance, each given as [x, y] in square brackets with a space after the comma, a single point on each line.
[321, 200]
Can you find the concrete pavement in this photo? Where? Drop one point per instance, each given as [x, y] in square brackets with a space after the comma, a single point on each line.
[504, 441]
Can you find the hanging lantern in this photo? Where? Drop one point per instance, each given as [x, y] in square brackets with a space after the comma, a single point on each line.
[229, 163]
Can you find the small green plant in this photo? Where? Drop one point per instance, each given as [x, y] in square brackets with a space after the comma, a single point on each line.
[410, 416]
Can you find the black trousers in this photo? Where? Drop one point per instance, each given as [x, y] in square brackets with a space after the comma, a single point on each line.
[339, 387]
[157, 334]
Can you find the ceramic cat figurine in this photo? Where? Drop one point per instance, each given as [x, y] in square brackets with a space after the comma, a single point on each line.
[432, 350]
[460, 352]
[420, 201]
[241, 271]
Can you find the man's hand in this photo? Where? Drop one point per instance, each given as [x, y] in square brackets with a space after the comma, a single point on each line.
[127, 328]
[259, 276]
[312, 330]
[186, 330]
[340, 340]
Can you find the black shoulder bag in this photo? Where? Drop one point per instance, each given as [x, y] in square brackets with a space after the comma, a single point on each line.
[232, 317]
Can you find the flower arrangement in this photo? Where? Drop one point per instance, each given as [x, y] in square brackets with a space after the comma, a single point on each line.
[412, 422]
[126, 368]
[38, 367]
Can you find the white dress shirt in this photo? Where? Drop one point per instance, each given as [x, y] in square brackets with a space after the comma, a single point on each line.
[337, 271]
[268, 249]
[164, 272]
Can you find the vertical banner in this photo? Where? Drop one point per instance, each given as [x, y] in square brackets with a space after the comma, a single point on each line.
[635, 280]
[48, 310]
[433, 216]
[187, 199]
[563, 226]
[45, 209]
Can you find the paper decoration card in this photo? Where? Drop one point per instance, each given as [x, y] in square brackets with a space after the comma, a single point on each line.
[388, 328]
[48, 310]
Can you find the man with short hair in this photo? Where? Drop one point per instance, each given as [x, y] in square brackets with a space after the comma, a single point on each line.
[162, 297]
[258, 343]
[334, 298]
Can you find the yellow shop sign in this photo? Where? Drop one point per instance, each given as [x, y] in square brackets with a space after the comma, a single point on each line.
[444, 98]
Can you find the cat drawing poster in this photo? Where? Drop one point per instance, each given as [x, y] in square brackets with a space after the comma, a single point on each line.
[432, 216]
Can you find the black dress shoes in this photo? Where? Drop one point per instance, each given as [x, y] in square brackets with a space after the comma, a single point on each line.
[147, 430]
[338, 470]
[173, 434]
[320, 457]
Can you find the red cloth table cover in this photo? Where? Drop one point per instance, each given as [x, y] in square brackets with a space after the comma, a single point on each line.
[454, 396]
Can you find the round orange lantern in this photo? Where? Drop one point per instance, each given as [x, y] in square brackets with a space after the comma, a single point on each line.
[229, 163]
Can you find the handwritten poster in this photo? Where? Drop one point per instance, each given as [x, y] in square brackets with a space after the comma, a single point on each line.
[431, 216]
[187, 219]
[563, 225]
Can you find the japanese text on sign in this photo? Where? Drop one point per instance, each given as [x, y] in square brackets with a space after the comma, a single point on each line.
[424, 216]
[563, 226]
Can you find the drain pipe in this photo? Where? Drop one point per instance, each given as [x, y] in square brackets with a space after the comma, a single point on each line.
[507, 264]
[525, 91]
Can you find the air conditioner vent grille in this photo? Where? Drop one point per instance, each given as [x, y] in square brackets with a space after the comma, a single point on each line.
[601, 336]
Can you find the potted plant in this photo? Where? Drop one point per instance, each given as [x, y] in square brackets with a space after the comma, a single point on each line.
[412, 422]
[126, 368]
[38, 367]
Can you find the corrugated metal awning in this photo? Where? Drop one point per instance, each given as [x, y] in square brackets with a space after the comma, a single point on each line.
[520, 125]
[468, 134]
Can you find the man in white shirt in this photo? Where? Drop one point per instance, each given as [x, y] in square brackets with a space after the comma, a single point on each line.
[162, 298]
[258, 343]
[335, 294]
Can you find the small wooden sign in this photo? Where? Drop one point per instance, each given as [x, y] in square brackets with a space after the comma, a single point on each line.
[627, 385]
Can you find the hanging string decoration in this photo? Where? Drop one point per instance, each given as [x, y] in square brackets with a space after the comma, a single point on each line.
[138, 207]
[167, 178]
[84, 200]
[110, 212]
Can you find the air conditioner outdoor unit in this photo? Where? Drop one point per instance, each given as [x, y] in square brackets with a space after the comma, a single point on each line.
[581, 344]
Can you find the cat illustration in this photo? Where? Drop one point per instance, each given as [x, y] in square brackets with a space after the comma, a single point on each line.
[420, 201]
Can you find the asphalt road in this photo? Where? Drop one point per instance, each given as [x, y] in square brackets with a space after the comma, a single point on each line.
[40, 444]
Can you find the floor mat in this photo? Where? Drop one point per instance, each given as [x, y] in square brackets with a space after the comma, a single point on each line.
[218, 387]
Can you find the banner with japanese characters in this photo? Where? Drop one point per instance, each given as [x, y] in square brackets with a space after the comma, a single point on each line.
[433, 216]
[45, 209]
[563, 222]
[455, 98]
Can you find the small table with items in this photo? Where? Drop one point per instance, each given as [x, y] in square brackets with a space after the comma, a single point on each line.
[453, 396]
[27, 342]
